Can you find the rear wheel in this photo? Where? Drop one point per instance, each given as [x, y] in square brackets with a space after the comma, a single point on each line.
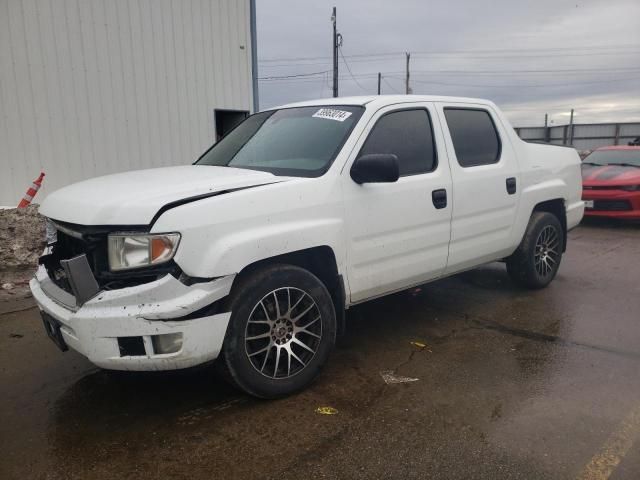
[536, 261]
[282, 329]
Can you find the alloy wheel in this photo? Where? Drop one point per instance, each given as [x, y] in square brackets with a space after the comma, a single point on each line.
[547, 251]
[283, 332]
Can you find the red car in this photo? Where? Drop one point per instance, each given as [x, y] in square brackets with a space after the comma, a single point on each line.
[611, 182]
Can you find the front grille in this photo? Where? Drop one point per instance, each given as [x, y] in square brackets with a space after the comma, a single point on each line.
[612, 205]
[92, 242]
[68, 246]
[93, 247]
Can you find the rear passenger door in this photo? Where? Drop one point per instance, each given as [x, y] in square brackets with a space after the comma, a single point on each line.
[397, 236]
[486, 184]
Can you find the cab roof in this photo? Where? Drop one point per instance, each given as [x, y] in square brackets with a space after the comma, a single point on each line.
[383, 100]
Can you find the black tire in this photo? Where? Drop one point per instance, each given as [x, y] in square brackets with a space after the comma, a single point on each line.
[535, 263]
[253, 314]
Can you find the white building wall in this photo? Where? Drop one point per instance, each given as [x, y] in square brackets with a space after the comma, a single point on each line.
[91, 87]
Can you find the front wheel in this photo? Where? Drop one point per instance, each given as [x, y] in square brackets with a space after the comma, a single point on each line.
[282, 329]
[536, 261]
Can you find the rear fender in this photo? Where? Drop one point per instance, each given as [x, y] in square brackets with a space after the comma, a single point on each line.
[533, 195]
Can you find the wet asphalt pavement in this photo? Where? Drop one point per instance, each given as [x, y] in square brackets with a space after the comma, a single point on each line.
[512, 384]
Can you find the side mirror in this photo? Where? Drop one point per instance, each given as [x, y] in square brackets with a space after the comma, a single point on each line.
[375, 168]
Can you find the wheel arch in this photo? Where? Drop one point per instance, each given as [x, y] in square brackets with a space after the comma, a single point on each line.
[320, 261]
[557, 208]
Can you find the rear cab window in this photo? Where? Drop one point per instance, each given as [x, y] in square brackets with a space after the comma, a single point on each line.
[408, 134]
[474, 135]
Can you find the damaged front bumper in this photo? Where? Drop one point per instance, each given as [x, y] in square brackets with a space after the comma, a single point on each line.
[133, 328]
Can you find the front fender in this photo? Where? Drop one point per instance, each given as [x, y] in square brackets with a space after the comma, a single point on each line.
[224, 234]
[236, 250]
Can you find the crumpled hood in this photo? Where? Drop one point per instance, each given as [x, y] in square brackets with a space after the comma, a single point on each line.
[596, 175]
[133, 198]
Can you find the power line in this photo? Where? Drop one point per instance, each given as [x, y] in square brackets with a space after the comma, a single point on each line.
[323, 85]
[573, 71]
[564, 108]
[528, 86]
[384, 79]
[293, 76]
[383, 56]
[351, 73]
[568, 51]
[425, 73]
[603, 69]
[529, 71]
[296, 80]
[434, 82]
[448, 56]
[561, 71]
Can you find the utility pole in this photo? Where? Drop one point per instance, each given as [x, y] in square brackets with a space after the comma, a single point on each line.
[407, 88]
[379, 82]
[571, 128]
[547, 129]
[334, 19]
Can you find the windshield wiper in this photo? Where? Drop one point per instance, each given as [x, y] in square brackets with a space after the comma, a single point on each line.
[625, 164]
[593, 163]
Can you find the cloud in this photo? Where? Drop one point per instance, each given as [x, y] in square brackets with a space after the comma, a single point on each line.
[529, 57]
[609, 107]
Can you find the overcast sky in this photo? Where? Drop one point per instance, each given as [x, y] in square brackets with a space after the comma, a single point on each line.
[530, 57]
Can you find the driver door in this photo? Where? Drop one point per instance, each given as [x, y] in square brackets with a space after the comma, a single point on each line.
[398, 233]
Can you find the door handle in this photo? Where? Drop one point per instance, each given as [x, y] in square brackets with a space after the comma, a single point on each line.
[511, 185]
[439, 198]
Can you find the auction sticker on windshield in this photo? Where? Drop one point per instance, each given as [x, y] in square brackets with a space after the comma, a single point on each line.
[331, 114]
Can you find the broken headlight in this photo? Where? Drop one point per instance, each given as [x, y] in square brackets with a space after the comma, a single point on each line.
[51, 232]
[135, 251]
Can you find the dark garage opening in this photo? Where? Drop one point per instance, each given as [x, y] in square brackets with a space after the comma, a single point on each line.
[227, 120]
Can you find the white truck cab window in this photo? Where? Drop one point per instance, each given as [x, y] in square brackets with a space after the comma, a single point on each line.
[474, 136]
[408, 135]
[299, 142]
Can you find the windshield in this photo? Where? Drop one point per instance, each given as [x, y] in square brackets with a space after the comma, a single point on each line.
[609, 157]
[299, 141]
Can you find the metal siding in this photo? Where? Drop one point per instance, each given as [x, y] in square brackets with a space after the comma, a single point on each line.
[91, 87]
[630, 130]
[536, 133]
[254, 53]
[590, 144]
[586, 136]
[7, 127]
[595, 130]
[556, 133]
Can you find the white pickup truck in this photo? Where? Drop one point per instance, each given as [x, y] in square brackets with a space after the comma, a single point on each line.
[252, 254]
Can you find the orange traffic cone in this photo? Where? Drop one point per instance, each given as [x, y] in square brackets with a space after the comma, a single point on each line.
[33, 189]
